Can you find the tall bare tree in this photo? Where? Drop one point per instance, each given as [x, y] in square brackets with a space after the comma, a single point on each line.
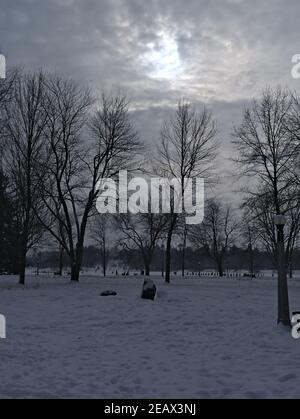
[250, 238]
[24, 123]
[142, 232]
[82, 151]
[8, 233]
[268, 153]
[217, 234]
[187, 150]
[99, 233]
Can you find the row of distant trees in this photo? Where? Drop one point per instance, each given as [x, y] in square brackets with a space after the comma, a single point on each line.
[121, 260]
[58, 140]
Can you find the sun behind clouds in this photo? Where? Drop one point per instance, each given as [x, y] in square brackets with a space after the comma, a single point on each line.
[162, 59]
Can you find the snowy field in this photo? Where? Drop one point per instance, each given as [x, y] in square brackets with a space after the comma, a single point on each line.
[199, 339]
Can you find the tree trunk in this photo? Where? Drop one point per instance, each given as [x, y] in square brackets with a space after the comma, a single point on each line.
[291, 272]
[291, 267]
[61, 258]
[251, 256]
[104, 261]
[77, 263]
[147, 257]
[104, 268]
[219, 260]
[75, 272]
[283, 293]
[220, 269]
[183, 253]
[183, 263]
[22, 273]
[168, 257]
[147, 269]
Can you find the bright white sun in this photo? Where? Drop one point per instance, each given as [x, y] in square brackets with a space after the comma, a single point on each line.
[162, 58]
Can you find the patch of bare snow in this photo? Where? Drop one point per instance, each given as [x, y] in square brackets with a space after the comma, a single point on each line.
[198, 339]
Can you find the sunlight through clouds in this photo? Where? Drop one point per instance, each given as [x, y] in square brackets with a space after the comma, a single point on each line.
[161, 58]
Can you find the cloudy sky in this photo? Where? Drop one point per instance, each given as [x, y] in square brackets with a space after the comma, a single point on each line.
[218, 52]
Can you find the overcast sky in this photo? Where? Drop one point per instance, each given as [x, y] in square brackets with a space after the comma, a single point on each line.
[220, 52]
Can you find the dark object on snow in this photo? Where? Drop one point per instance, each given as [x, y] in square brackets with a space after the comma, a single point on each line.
[253, 276]
[108, 294]
[3, 272]
[149, 290]
[57, 274]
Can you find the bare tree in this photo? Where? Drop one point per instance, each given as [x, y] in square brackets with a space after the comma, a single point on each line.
[142, 232]
[250, 236]
[6, 201]
[99, 232]
[183, 247]
[23, 128]
[268, 153]
[217, 234]
[187, 149]
[79, 159]
[293, 127]
[182, 233]
[261, 218]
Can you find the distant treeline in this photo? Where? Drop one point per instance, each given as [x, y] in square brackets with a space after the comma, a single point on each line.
[195, 261]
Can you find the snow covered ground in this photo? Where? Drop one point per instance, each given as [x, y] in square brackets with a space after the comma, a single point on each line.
[199, 339]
